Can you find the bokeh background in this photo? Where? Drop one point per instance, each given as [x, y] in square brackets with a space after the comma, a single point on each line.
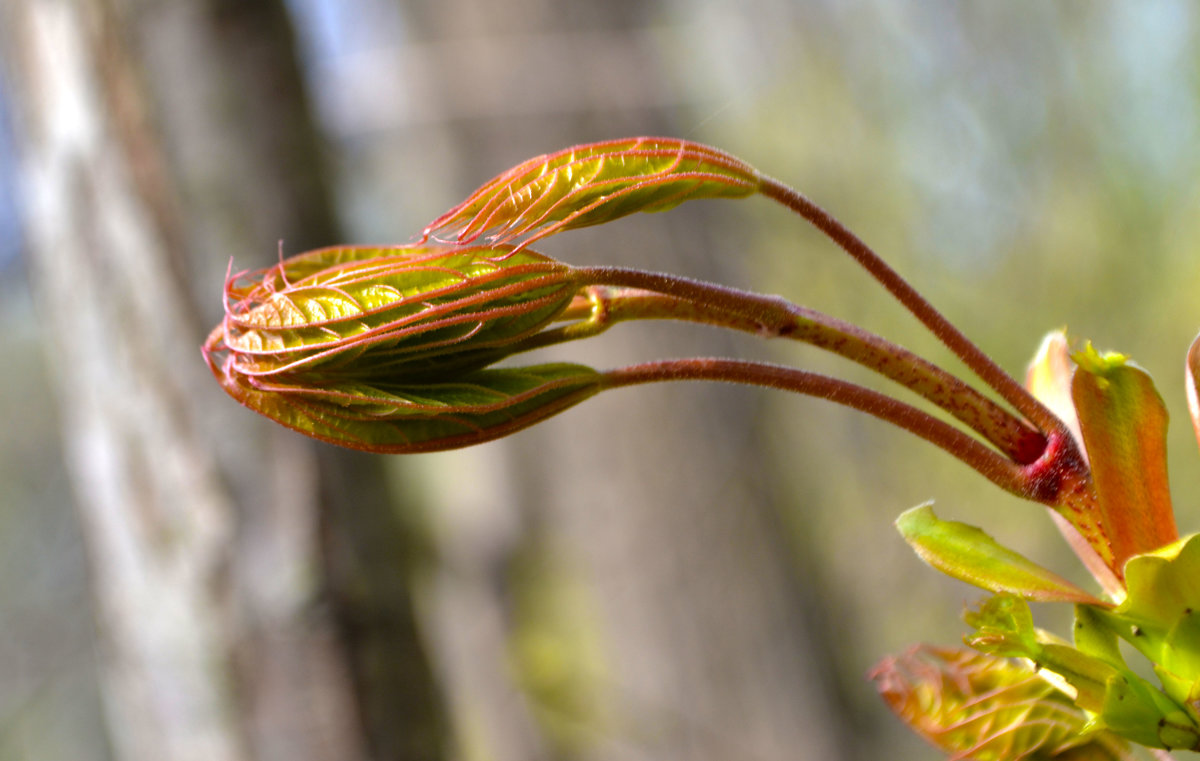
[678, 572]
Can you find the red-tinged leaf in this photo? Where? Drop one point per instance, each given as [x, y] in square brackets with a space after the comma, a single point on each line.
[386, 311]
[1049, 380]
[968, 554]
[591, 184]
[976, 706]
[384, 349]
[1124, 426]
[406, 418]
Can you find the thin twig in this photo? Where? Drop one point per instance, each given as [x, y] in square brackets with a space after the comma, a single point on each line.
[971, 355]
[673, 297]
[988, 462]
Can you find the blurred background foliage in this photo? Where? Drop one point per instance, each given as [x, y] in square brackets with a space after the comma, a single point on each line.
[1026, 165]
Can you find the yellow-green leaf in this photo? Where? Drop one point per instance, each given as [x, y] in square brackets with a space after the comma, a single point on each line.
[1161, 613]
[968, 554]
[1164, 585]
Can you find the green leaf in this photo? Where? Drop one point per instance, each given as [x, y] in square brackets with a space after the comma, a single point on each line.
[968, 554]
[1161, 614]
[1164, 585]
[591, 184]
[1135, 710]
[421, 417]
[1124, 702]
[1181, 658]
[1160, 618]
[1094, 635]
[1124, 426]
[1003, 626]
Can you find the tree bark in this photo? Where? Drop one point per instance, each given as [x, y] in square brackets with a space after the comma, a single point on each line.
[157, 521]
[252, 588]
[156, 142]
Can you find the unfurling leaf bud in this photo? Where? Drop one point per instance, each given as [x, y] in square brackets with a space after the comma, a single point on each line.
[988, 708]
[591, 184]
[386, 349]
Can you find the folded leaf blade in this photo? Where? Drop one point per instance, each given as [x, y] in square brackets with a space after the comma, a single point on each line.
[978, 706]
[1124, 425]
[591, 184]
[401, 419]
[380, 309]
[1193, 385]
[968, 554]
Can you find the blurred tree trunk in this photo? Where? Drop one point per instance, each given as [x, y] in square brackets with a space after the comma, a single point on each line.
[658, 497]
[240, 617]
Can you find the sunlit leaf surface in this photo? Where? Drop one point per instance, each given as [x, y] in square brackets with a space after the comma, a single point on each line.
[1124, 702]
[590, 184]
[386, 349]
[381, 310]
[986, 708]
[1164, 585]
[1161, 616]
[970, 555]
[1124, 426]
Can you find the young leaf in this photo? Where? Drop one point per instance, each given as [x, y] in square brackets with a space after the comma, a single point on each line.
[1164, 585]
[977, 706]
[1126, 704]
[1124, 426]
[1193, 384]
[1095, 635]
[383, 349]
[383, 310]
[1159, 615]
[1004, 626]
[421, 417]
[1135, 710]
[968, 554]
[1049, 380]
[591, 184]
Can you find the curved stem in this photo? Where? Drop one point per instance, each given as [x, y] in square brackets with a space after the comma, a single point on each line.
[971, 355]
[988, 462]
[671, 297]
